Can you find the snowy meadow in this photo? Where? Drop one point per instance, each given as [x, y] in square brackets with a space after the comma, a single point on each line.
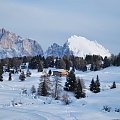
[18, 103]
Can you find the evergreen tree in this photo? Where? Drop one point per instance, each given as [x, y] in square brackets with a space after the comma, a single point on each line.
[10, 76]
[113, 85]
[67, 62]
[1, 77]
[92, 67]
[33, 63]
[1, 72]
[44, 86]
[97, 88]
[28, 73]
[92, 85]
[70, 82]
[33, 89]
[62, 64]
[106, 62]
[84, 68]
[97, 81]
[95, 85]
[50, 72]
[40, 66]
[22, 76]
[79, 93]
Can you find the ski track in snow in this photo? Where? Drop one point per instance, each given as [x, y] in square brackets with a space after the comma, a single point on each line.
[37, 113]
[89, 108]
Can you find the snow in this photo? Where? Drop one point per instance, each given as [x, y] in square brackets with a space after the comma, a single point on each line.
[80, 46]
[77, 46]
[12, 45]
[46, 108]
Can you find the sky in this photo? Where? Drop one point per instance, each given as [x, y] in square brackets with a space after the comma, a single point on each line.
[49, 21]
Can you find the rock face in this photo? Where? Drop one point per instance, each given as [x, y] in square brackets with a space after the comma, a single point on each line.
[55, 50]
[12, 45]
[78, 46]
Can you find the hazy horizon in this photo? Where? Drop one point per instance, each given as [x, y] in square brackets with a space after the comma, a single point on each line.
[55, 21]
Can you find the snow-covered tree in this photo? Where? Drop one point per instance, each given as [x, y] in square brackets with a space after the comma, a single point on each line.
[44, 86]
[1, 77]
[1, 72]
[49, 72]
[79, 90]
[22, 76]
[113, 85]
[92, 85]
[40, 66]
[28, 73]
[97, 81]
[70, 82]
[33, 89]
[10, 76]
[95, 85]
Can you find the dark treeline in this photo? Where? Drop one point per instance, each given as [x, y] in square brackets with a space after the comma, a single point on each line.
[65, 62]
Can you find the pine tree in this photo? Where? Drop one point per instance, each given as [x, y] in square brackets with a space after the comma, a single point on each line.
[50, 72]
[95, 85]
[40, 66]
[1, 72]
[79, 93]
[28, 73]
[84, 68]
[10, 76]
[62, 64]
[97, 81]
[92, 85]
[97, 88]
[22, 76]
[1, 77]
[70, 82]
[33, 89]
[44, 86]
[106, 62]
[113, 85]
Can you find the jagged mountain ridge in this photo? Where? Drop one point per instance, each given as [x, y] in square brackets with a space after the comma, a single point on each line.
[54, 50]
[12, 45]
[79, 46]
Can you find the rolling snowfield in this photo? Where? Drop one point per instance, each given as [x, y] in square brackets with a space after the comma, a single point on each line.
[17, 106]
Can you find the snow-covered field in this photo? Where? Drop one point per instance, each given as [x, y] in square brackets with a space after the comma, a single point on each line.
[43, 108]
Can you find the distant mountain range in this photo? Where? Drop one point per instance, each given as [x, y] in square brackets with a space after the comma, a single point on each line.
[78, 46]
[12, 45]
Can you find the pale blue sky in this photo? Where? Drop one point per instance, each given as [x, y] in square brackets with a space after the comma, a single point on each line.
[49, 21]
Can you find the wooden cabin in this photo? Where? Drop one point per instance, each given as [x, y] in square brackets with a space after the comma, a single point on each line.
[60, 72]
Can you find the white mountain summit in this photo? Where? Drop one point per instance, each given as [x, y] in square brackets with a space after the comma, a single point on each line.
[80, 46]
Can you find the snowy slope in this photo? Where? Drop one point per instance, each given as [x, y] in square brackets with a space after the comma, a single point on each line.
[12, 45]
[80, 46]
[89, 108]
